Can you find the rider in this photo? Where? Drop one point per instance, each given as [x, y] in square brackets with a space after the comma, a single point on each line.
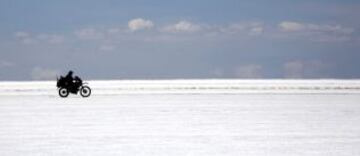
[73, 83]
[69, 77]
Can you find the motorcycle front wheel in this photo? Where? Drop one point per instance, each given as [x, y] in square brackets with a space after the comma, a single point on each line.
[63, 92]
[85, 91]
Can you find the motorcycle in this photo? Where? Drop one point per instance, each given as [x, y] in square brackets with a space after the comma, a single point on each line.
[74, 87]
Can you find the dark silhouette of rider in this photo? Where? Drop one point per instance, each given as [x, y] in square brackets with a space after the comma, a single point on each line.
[69, 77]
[72, 83]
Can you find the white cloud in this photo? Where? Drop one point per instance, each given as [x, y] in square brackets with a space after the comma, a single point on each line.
[51, 38]
[182, 26]
[249, 71]
[89, 34]
[56, 39]
[316, 32]
[5, 63]
[21, 34]
[26, 38]
[330, 28]
[39, 73]
[289, 26]
[233, 28]
[250, 28]
[29, 41]
[256, 30]
[139, 24]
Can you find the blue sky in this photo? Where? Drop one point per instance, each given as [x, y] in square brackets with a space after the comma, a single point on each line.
[162, 39]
